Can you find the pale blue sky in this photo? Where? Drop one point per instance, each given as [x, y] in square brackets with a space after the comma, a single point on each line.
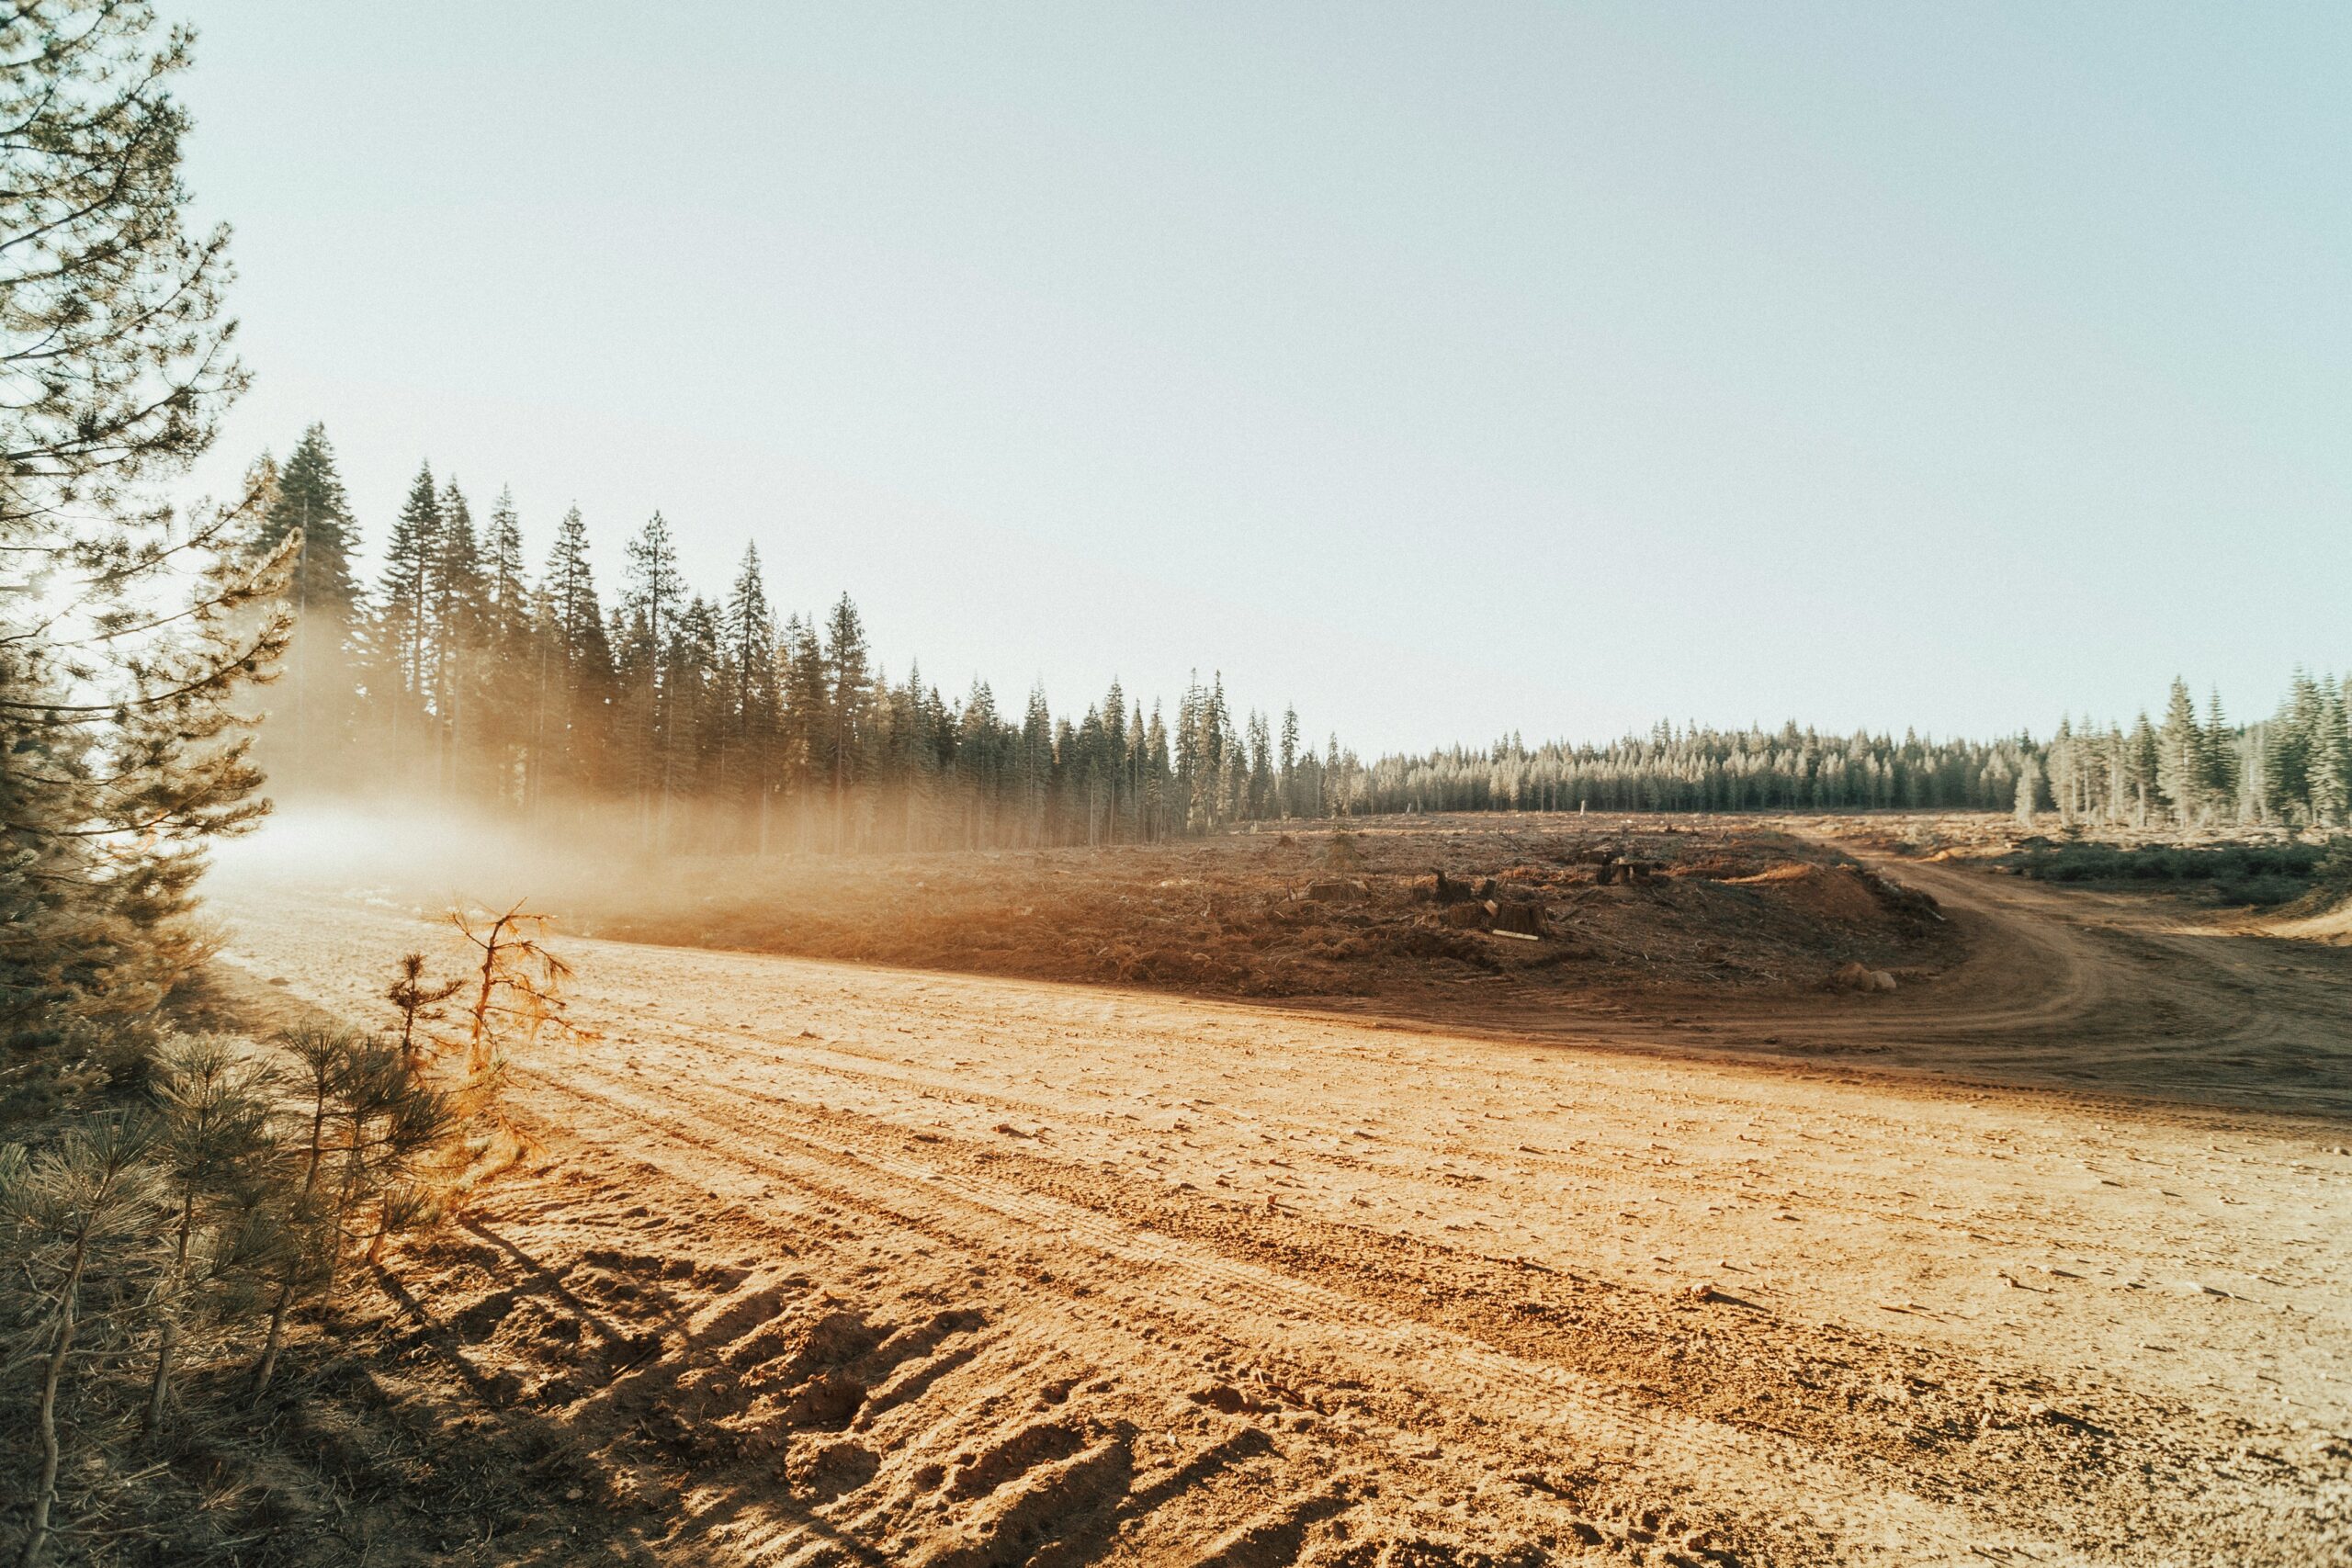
[1447, 369]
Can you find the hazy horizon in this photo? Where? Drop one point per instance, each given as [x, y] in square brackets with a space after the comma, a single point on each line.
[1512, 369]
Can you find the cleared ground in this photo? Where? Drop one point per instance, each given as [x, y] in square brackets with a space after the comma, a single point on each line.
[833, 1263]
[1334, 914]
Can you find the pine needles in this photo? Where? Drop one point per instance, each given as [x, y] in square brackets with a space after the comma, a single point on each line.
[175, 1215]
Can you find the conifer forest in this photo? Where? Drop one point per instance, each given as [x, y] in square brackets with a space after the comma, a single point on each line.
[708, 721]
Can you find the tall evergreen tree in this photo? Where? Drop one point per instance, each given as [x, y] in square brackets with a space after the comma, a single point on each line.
[2180, 768]
[316, 704]
[846, 679]
[1261, 790]
[655, 588]
[2330, 765]
[402, 640]
[650, 608]
[805, 724]
[1119, 787]
[1034, 766]
[506, 585]
[2218, 754]
[752, 694]
[2144, 754]
[120, 754]
[572, 668]
[2288, 755]
[697, 678]
[458, 613]
[503, 678]
[1289, 762]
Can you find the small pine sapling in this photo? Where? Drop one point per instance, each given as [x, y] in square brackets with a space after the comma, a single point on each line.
[390, 1134]
[366, 1141]
[299, 1262]
[80, 1220]
[213, 1143]
[418, 1001]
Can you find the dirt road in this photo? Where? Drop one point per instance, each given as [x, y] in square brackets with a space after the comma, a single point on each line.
[2105, 993]
[848, 1265]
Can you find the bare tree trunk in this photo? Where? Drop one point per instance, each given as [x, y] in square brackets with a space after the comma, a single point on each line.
[161, 1387]
[477, 1053]
[45, 1493]
[267, 1365]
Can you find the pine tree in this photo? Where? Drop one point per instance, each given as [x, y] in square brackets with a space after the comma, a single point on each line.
[508, 625]
[974, 737]
[2180, 768]
[2029, 792]
[117, 358]
[2116, 765]
[1034, 766]
[572, 665]
[2217, 747]
[655, 589]
[501, 676]
[405, 621]
[1287, 785]
[2144, 755]
[650, 609]
[917, 746]
[751, 691]
[1191, 753]
[1261, 796]
[1162, 779]
[571, 588]
[2289, 754]
[846, 680]
[1119, 787]
[2063, 772]
[457, 610]
[697, 682]
[2331, 757]
[120, 755]
[316, 704]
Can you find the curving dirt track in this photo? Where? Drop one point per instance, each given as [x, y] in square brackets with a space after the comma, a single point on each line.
[2107, 993]
[850, 1265]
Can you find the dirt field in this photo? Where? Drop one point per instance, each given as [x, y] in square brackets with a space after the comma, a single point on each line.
[2038, 1258]
[1628, 906]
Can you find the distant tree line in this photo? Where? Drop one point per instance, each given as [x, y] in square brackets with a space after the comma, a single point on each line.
[460, 676]
[1699, 769]
[2294, 769]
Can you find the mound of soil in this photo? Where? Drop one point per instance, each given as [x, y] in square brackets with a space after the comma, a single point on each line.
[1829, 893]
[1410, 912]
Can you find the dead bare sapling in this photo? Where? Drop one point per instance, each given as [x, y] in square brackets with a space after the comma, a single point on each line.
[511, 992]
[518, 985]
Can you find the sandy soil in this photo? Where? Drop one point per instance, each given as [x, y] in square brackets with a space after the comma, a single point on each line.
[841, 1264]
[1320, 912]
